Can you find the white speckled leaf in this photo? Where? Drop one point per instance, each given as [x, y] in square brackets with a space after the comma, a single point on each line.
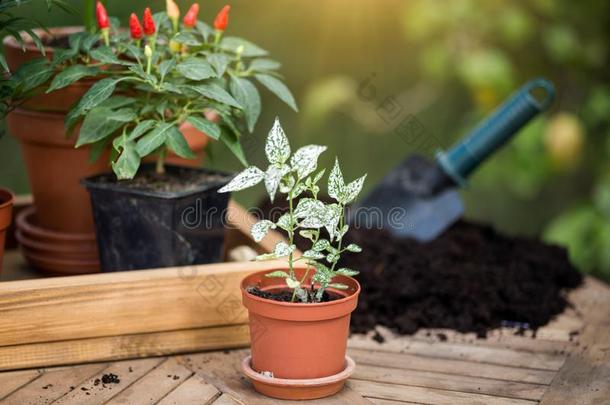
[312, 254]
[353, 189]
[277, 147]
[273, 177]
[248, 178]
[292, 283]
[347, 272]
[259, 230]
[283, 249]
[333, 215]
[336, 184]
[309, 207]
[284, 222]
[305, 160]
[352, 247]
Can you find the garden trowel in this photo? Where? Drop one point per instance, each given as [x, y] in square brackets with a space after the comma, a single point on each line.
[419, 198]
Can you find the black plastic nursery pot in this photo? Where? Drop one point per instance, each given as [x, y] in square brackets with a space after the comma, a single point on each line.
[142, 228]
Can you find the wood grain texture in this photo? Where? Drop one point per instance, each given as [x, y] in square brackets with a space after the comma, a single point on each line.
[428, 395]
[89, 393]
[455, 367]
[194, 391]
[449, 382]
[122, 347]
[13, 381]
[585, 376]
[53, 384]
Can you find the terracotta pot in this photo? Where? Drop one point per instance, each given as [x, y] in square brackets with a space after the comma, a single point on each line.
[58, 101]
[54, 169]
[296, 340]
[6, 215]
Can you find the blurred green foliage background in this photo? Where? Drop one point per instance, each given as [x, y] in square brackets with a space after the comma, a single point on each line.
[363, 71]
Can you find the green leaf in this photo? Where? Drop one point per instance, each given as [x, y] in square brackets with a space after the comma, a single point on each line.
[247, 96]
[195, 68]
[347, 272]
[250, 50]
[117, 102]
[98, 93]
[33, 74]
[97, 150]
[105, 54]
[232, 142]
[215, 92]
[166, 67]
[310, 234]
[186, 38]
[128, 163]
[204, 125]
[71, 75]
[264, 65]
[220, 62]
[141, 128]
[101, 122]
[277, 274]
[177, 143]
[279, 89]
[154, 139]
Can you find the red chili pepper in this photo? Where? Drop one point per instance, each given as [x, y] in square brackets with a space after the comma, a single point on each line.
[135, 27]
[222, 19]
[149, 23]
[102, 16]
[190, 19]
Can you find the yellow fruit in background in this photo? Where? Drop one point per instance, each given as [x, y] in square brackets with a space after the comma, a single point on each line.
[564, 138]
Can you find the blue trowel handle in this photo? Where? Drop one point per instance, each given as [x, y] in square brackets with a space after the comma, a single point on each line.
[496, 130]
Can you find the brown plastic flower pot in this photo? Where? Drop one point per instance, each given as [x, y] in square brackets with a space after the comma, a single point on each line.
[6, 215]
[297, 341]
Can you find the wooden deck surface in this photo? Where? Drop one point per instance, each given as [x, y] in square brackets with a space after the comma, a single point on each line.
[567, 363]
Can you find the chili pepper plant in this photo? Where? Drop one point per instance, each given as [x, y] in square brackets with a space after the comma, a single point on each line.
[296, 177]
[161, 72]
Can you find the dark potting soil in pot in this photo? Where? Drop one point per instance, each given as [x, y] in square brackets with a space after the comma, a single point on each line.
[471, 279]
[177, 180]
[286, 296]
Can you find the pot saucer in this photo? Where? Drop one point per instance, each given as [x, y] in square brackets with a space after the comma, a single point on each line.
[283, 388]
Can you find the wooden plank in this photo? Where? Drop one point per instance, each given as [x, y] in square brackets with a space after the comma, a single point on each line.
[88, 392]
[378, 401]
[123, 347]
[429, 395]
[226, 399]
[67, 308]
[10, 382]
[53, 384]
[456, 367]
[585, 376]
[475, 385]
[194, 391]
[155, 385]
[222, 369]
[460, 351]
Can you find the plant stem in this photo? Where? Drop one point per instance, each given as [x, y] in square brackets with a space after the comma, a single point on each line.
[160, 169]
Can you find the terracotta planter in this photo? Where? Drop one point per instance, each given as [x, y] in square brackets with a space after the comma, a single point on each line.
[54, 169]
[296, 341]
[58, 101]
[6, 215]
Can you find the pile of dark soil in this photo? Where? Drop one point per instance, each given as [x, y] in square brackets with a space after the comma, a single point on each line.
[471, 279]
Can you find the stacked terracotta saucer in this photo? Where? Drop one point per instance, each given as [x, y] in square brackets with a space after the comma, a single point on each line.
[56, 253]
